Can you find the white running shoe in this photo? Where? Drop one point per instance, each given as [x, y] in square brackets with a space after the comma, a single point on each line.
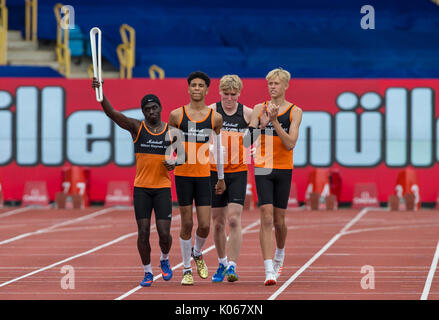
[277, 266]
[270, 279]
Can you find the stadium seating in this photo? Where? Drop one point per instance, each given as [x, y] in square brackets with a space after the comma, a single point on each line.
[311, 39]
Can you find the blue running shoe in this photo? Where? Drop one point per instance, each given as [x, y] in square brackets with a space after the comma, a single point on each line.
[147, 281]
[166, 270]
[219, 274]
[231, 274]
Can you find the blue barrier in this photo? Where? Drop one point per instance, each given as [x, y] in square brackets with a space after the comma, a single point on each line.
[28, 71]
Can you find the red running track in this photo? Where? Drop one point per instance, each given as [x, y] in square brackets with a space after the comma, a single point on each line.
[325, 254]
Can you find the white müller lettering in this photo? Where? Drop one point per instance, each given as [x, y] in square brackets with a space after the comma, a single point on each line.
[6, 140]
[397, 128]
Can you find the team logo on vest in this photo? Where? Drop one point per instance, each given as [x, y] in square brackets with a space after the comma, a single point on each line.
[153, 144]
[231, 126]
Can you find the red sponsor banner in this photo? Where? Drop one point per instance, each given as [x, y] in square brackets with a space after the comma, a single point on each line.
[365, 195]
[35, 194]
[118, 194]
[365, 129]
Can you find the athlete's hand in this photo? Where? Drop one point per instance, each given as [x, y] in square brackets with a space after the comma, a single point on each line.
[169, 164]
[220, 187]
[265, 118]
[273, 111]
[95, 83]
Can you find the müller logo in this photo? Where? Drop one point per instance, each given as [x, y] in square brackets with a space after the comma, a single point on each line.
[397, 129]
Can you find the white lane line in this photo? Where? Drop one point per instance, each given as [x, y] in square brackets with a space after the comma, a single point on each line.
[430, 276]
[121, 238]
[412, 226]
[18, 210]
[319, 253]
[65, 223]
[123, 296]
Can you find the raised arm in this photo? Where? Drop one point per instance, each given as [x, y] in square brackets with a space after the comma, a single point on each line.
[130, 124]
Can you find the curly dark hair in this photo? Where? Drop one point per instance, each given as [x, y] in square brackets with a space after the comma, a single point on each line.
[199, 74]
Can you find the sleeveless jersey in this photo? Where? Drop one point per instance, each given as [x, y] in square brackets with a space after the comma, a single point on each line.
[232, 134]
[150, 149]
[196, 142]
[270, 151]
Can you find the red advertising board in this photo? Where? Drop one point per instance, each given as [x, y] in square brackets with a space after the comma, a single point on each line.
[366, 129]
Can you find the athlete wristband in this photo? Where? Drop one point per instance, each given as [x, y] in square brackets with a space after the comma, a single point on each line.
[219, 155]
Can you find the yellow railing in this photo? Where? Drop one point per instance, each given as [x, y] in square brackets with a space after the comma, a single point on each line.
[62, 40]
[126, 51]
[156, 69]
[90, 71]
[3, 32]
[31, 21]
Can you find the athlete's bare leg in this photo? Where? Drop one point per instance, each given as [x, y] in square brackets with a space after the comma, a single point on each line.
[143, 246]
[203, 217]
[219, 230]
[234, 211]
[266, 231]
[165, 238]
[187, 222]
[280, 228]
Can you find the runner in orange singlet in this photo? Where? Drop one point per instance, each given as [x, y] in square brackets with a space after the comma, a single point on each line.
[278, 121]
[228, 206]
[152, 185]
[192, 180]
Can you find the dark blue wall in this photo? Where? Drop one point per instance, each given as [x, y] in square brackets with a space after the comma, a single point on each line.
[308, 38]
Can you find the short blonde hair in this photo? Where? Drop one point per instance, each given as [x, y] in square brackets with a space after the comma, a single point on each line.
[230, 82]
[283, 75]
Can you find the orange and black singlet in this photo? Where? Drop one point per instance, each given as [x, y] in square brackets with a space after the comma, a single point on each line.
[196, 142]
[270, 151]
[150, 149]
[232, 134]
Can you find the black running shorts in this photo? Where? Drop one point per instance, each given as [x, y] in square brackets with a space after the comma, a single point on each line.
[274, 187]
[236, 188]
[193, 188]
[146, 199]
